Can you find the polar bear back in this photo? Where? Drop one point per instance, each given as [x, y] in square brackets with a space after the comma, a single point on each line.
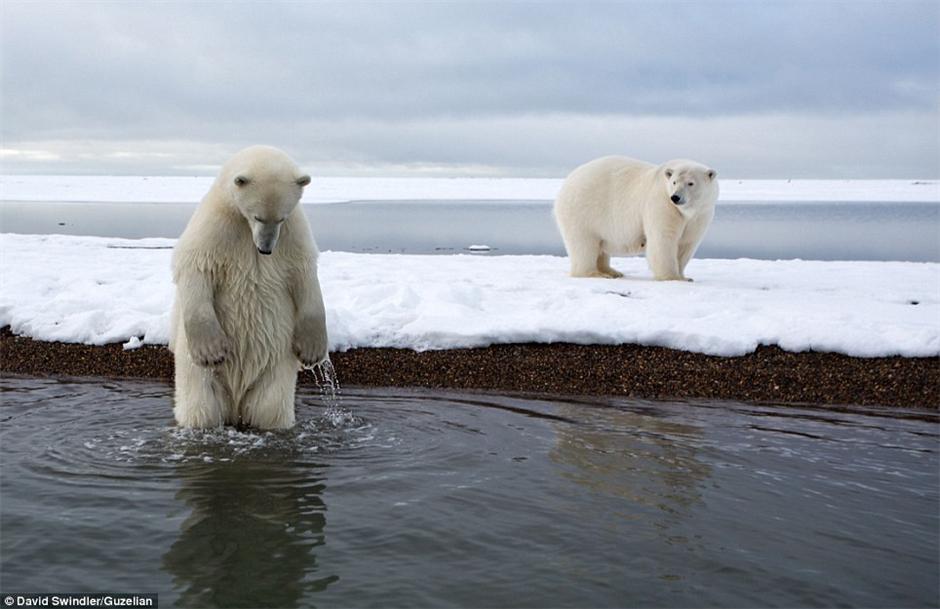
[606, 197]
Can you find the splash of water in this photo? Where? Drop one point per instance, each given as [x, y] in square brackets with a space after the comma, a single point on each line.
[324, 376]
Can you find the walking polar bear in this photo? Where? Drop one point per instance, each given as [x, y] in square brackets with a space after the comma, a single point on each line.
[248, 309]
[618, 205]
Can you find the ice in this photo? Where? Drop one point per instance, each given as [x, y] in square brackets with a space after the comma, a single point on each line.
[85, 290]
[133, 343]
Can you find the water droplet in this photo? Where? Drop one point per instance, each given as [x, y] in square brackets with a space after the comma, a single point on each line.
[324, 376]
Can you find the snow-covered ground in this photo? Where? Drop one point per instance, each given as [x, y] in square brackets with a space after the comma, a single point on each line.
[99, 290]
[126, 189]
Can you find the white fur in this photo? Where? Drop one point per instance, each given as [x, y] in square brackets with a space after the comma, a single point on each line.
[621, 206]
[244, 321]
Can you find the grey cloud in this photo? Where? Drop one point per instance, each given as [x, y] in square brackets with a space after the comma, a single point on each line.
[889, 145]
[227, 73]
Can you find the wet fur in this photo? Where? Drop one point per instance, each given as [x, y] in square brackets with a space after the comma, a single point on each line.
[243, 322]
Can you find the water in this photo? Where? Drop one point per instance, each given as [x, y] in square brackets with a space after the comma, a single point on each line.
[324, 376]
[420, 498]
[811, 231]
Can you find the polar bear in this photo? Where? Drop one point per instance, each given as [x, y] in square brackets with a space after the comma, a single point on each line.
[248, 309]
[618, 205]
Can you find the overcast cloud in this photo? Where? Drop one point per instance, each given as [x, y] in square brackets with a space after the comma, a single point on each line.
[788, 89]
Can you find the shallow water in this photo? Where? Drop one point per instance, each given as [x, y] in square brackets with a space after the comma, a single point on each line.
[420, 498]
[811, 231]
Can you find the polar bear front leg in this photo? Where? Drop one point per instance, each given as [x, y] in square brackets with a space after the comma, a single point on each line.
[686, 251]
[310, 341]
[208, 344]
[201, 400]
[692, 237]
[662, 254]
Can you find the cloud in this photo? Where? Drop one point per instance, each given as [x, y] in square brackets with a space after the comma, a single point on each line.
[422, 84]
[898, 145]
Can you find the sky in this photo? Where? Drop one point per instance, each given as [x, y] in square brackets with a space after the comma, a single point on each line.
[793, 89]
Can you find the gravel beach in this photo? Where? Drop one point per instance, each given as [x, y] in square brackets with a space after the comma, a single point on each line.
[769, 375]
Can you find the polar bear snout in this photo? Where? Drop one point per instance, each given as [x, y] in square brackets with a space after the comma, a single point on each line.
[676, 199]
[265, 235]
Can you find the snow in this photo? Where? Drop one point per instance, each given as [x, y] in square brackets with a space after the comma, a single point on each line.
[127, 189]
[99, 290]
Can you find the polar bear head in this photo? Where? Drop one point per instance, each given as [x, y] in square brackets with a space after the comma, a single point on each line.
[690, 186]
[264, 185]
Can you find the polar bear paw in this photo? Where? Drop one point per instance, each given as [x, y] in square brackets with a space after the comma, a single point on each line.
[209, 348]
[605, 274]
[310, 344]
[672, 278]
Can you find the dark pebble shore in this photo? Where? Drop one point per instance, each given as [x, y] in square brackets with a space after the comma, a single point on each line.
[769, 375]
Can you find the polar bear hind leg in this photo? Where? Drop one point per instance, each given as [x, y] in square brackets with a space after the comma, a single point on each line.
[584, 252]
[603, 265]
[269, 402]
[200, 397]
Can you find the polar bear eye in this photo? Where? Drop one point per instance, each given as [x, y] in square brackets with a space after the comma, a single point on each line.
[691, 183]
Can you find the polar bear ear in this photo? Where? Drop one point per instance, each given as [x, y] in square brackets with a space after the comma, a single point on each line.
[241, 181]
[668, 172]
[303, 181]
[711, 173]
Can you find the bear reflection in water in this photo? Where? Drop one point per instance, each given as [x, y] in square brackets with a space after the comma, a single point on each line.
[650, 462]
[250, 540]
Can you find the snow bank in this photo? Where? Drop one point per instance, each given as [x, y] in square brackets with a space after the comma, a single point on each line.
[98, 290]
[126, 189]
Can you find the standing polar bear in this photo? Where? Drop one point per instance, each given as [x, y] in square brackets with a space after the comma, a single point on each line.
[618, 205]
[248, 307]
